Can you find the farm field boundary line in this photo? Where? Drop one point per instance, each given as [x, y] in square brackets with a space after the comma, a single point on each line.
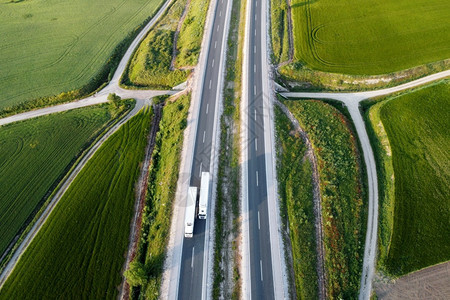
[63, 188]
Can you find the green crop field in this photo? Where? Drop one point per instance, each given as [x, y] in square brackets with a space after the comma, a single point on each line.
[35, 155]
[80, 250]
[296, 192]
[342, 193]
[53, 46]
[418, 128]
[370, 37]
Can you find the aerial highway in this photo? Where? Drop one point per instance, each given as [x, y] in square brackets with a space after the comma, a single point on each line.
[193, 277]
[262, 254]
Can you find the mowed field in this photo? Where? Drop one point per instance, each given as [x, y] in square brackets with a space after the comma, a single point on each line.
[80, 250]
[418, 128]
[35, 155]
[370, 37]
[53, 46]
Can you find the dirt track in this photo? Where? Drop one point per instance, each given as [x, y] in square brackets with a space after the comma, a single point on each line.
[429, 283]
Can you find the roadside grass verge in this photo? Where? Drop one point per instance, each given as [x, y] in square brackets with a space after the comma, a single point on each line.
[226, 256]
[79, 252]
[386, 179]
[35, 156]
[342, 193]
[191, 34]
[145, 273]
[417, 209]
[295, 188]
[383, 37]
[57, 51]
[279, 30]
[150, 66]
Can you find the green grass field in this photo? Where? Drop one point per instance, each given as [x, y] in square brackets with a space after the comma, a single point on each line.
[418, 128]
[162, 184]
[342, 193]
[54, 46]
[35, 155]
[296, 192]
[371, 37]
[80, 250]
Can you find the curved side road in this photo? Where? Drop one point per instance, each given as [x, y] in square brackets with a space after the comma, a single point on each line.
[54, 201]
[352, 100]
[101, 97]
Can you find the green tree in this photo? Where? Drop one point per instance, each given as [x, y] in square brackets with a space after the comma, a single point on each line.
[136, 274]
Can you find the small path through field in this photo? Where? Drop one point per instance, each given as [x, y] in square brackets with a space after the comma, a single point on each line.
[352, 100]
[430, 283]
[320, 250]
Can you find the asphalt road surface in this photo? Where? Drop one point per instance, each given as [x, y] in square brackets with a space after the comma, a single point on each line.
[260, 260]
[192, 262]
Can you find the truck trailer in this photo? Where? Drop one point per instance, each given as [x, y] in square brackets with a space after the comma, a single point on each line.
[204, 195]
[189, 218]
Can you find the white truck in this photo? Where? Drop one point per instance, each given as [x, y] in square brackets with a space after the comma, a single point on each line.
[204, 195]
[189, 218]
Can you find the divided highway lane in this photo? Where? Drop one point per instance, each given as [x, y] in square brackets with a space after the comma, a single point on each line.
[257, 191]
[192, 283]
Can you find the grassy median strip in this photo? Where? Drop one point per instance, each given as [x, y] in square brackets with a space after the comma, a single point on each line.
[50, 47]
[80, 250]
[227, 278]
[342, 193]
[145, 271]
[36, 154]
[295, 188]
[418, 130]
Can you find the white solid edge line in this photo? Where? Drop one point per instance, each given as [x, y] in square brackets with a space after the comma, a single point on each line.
[215, 144]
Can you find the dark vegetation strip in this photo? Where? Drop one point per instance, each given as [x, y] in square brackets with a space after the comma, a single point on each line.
[279, 30]
[158, 104]
[36, 156]
[79, 252]
[342, 191]
[417, 210]
[295, 188]
[145, 272]
[96, 83]
[228, 185]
